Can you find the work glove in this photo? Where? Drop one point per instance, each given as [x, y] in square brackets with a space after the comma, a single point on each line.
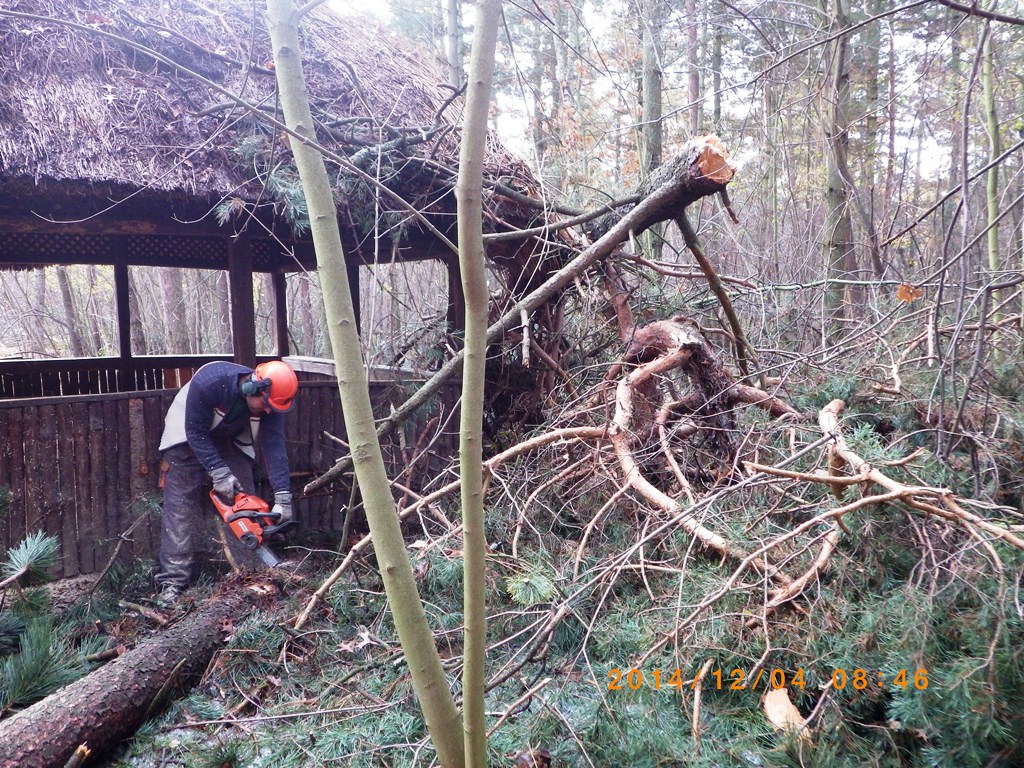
[282, 509]
[225, 484]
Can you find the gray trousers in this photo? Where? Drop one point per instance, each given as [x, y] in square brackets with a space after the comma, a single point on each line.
[189, 519]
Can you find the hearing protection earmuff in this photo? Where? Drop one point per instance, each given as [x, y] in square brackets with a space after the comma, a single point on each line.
[255, 386]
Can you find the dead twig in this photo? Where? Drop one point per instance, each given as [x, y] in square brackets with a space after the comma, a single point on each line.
[144, 611]
[939, 502]
[123, 539]
[576, 433]
[698, 690]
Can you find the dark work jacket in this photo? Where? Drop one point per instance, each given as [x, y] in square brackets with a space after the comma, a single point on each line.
[211, 409]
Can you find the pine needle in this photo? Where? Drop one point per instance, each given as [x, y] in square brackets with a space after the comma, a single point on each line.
[29, 561]
[11, 627]
[46, 663]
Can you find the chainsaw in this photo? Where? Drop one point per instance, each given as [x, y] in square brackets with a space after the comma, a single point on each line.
[250, 520]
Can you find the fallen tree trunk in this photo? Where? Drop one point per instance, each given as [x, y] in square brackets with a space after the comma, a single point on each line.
[110, 704]
[700, 170]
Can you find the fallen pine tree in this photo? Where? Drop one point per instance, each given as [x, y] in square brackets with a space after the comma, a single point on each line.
[107, 706]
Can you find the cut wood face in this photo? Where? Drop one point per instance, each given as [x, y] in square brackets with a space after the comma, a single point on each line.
[713, 161]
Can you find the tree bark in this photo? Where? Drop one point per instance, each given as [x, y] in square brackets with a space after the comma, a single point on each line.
[837, 245]
[453, 41]
[692, 68]
[71, 320]
[172, 298]
[992, 176]
[652, 19]
[428, 676]
[109, 705]
[140, 339]
[473, 268]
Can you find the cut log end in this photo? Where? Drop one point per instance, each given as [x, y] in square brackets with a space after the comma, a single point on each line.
[713, 161]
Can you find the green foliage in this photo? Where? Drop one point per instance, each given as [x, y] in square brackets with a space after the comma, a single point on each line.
[902, 592]
[820, 394]
[129, 577]
[532, 586]
[32, 602]
[221, 756]
[45, 662]
[11, 628]
[1007, 378]
[29, 561]
[282, 183]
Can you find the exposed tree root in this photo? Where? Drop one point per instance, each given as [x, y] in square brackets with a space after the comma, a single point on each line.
[624, 426]
[701, 169]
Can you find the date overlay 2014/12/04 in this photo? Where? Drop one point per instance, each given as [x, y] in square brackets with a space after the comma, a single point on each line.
[737, 679]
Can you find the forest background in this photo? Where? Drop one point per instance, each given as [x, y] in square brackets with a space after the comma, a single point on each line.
[877, 259]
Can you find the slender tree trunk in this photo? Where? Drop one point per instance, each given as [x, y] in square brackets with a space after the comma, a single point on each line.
[468, 192]
[890, 155]
[651, 22]
[172, 298]
[428, 677]
[992, 175]
[44, 341]
[324, 323]
[837, 245]
[453, 41]
[692, 68]
[866, 202]
[716, 79]
[138, 328]
[562, 109]
[98, 342]
[304, 319]
[773, 132]
[956, 131]
[1017, 222]
[71, 320]
[222, 312]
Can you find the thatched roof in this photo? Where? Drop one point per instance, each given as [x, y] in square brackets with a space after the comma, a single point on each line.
[86, 112]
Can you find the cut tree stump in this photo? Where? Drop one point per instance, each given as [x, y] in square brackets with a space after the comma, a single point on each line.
[110, 704]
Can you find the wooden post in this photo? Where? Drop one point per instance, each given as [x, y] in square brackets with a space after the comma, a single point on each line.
[243, 310]
[352, 271]
[126, 378]
[456, 301]
[280, 313]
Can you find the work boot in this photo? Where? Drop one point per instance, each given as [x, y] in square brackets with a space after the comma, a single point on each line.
[169, 596]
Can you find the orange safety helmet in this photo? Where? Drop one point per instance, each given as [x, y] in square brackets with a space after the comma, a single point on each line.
[279, 394]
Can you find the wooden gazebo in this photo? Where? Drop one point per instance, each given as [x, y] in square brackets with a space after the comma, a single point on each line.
[118, 147]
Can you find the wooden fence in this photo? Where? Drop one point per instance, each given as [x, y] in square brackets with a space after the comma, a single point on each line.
[83, 468]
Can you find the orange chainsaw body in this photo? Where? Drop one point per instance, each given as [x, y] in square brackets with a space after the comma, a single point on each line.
[247, 517]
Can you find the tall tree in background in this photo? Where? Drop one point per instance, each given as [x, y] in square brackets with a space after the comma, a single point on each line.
[652, 22]
[172, 295]
[429, 681]
[837, 240]
[695, 108]
[453, 41]
[992, 176]
[71, 314]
